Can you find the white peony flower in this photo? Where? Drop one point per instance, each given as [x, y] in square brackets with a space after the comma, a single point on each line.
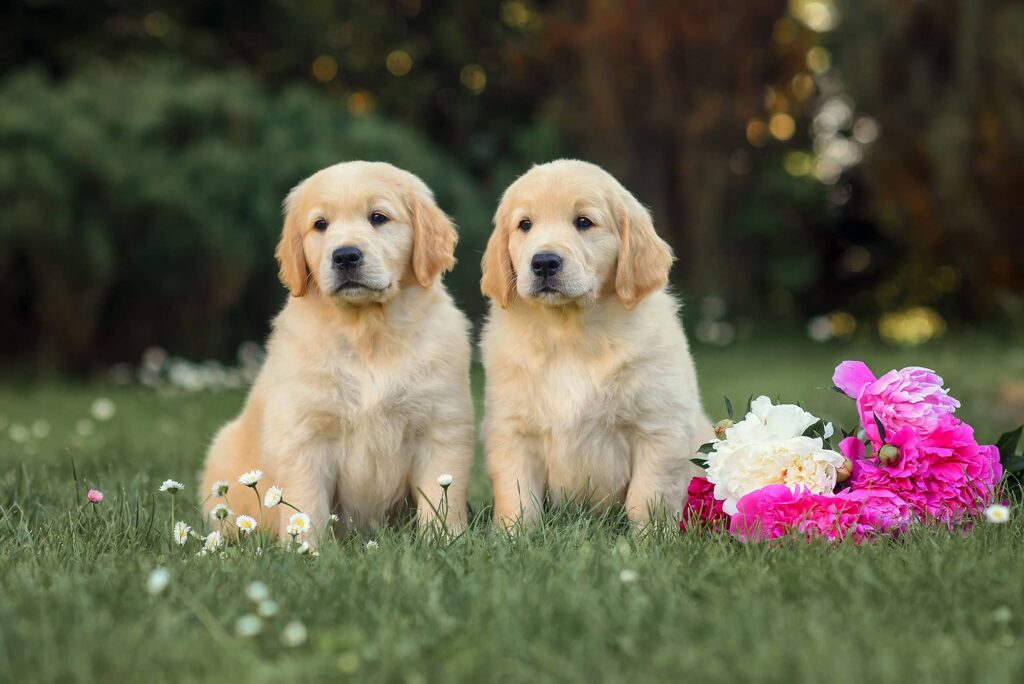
[445, 480]
[300, 523]
[219, 488]
[171, 486]
[274, 496]
[181, 531]
[251, 478]
[768, 447]
[220, 512]
[997, 513]
[245, 524]
[214, 541]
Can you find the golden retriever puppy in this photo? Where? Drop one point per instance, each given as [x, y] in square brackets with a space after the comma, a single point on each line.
[364, 399]
[591, 391]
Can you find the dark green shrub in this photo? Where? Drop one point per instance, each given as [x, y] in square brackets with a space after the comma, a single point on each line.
[142, 206]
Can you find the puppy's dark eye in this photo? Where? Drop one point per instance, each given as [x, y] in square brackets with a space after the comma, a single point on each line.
[320, 224]
[525, 225]
[582, 223]
[378, 219]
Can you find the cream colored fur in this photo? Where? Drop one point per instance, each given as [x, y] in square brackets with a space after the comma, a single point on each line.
[591, 390]
[364, 398]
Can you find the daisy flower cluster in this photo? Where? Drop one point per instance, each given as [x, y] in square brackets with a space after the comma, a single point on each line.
[910, 461]
[227, 527]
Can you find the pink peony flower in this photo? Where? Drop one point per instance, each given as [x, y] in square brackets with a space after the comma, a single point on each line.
[912, 396]
[94, 496]
[944, 475]
[702, 508]
[775, 511]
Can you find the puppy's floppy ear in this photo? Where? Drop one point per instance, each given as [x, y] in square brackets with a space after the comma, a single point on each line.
[294, 272]
[498, 280]
[644, 258]
[433, 237]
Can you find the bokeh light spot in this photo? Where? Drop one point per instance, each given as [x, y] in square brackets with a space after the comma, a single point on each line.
[324, 68]
[359, 103]
[474, 78]
[782, 126]
[398, 62]
[819, 60]
[757, 133]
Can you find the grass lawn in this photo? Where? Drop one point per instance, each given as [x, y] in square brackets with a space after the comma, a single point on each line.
[550, 605]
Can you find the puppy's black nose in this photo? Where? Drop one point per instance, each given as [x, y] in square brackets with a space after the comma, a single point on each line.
[546, 264]
[347, 257]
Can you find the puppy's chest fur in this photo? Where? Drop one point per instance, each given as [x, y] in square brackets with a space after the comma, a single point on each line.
[580, 411]
[361, 423]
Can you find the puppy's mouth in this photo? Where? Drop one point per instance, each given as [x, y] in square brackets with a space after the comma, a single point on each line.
[547, 287]
[354, 286]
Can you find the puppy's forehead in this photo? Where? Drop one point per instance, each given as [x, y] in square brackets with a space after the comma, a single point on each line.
[544, 191]
[348, 188]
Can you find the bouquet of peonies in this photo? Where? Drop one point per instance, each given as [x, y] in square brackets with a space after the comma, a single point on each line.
[776, 471]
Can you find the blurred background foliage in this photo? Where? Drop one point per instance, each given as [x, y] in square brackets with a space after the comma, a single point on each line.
[846, 168]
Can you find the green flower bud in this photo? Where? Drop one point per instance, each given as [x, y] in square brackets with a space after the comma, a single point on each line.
[721, 426]
[888, 454]
[844, 471]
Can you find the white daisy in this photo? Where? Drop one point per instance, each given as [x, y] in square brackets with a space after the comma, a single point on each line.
[181, 531]
[445, 480]
[251, 478]
[333, 517]
[245, 524]
[303, 548]
[300, 521]
[372, 545]
[103, 409]
[171, 486]
[158, 581]
[219, 488]
[293, 530]
[267, 609]
[628, 576]
[248, 626]
[274, 496]
[214, 541]
[294, 634]
[257, 591]
[220, 512]
[997, 513]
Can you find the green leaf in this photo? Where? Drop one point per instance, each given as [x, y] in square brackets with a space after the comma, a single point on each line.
[1007, 444]
[701, 462]
[815, 430]
[836, 389]
[706, 448]
[728, 407]
[1014, 466]
[881, 428]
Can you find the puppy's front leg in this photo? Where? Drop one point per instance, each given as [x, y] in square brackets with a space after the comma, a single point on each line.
[517, 478]
[299, 468]
[446, 449]
[661, 473]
